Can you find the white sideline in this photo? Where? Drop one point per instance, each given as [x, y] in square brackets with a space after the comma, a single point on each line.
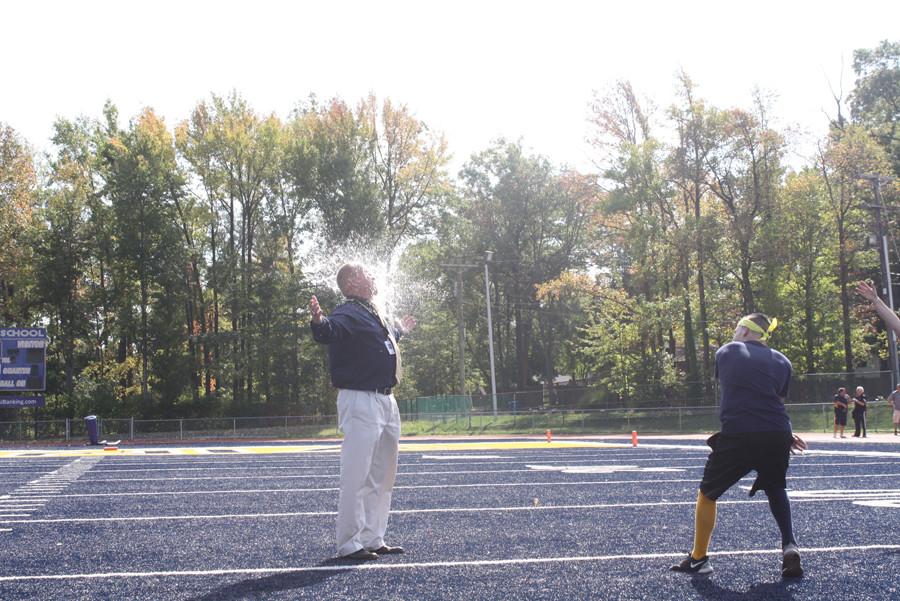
[424, 565]
[241, 516]
[428, 486]
[432, 473]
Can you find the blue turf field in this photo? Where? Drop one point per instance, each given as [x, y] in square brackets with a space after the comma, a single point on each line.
[478, 522]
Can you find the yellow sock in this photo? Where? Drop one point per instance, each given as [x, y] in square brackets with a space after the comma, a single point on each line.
[704, 522]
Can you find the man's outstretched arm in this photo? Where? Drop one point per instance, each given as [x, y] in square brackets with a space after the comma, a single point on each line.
[890, 318]
[325, 329]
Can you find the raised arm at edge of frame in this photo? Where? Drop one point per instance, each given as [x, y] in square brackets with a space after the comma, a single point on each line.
[890, 318]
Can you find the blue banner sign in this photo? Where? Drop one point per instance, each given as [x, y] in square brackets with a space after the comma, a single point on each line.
[23, 359]
[21, 401]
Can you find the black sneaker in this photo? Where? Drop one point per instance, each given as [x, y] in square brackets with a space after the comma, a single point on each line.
[790, 562]
[693, 566]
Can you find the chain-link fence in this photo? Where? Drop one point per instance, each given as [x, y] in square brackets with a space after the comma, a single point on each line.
[174, 429]
[570, 408]
[805, 388]
[806, 417]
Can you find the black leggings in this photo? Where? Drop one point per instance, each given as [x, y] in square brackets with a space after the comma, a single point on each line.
[859, 420]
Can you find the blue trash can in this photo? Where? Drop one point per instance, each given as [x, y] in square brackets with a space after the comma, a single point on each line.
[90, 424]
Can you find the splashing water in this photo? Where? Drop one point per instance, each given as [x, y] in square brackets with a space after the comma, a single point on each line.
[399, 293]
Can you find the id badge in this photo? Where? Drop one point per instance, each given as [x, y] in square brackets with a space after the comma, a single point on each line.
[389, 347]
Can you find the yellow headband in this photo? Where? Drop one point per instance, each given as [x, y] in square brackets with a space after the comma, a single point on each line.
[753, 327]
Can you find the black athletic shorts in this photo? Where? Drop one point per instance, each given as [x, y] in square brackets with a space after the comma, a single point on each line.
[840, 417]
[734, 456]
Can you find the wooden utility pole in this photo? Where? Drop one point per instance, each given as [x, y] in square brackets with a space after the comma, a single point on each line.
[458, 289]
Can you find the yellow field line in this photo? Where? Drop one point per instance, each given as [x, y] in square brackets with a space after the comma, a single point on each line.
[220, 451]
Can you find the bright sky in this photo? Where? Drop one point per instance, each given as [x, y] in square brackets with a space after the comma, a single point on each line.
[475, 70]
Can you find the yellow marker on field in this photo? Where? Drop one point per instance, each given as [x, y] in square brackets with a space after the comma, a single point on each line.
[407, 446]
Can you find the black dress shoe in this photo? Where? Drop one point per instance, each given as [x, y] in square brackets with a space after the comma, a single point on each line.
[361, 555]
[386, 550]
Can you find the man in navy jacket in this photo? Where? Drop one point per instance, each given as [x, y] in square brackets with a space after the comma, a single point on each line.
[364, 360]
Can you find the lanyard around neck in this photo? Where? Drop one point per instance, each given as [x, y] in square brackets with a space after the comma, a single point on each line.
[370, 308]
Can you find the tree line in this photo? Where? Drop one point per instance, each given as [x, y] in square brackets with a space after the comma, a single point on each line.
[171, 264]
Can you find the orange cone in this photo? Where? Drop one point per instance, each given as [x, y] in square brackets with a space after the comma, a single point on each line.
[634, 438]
[549, 436]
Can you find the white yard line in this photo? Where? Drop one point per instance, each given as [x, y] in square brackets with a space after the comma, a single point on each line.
[422, 565]
[292, 514]
[555, 484]
[109, 471]
[30, 498]
[794, 466]
[253, 491]
[797, 462]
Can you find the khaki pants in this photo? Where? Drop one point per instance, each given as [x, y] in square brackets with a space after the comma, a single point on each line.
[371, 426]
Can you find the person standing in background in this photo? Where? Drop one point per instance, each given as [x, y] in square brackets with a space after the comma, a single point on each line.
[894, 400]
[859, 411]
[841, 404]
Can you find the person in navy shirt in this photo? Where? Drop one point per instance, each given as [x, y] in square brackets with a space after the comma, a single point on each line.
[365, 364]
[860, 403]
[756, 435]
[841, 403]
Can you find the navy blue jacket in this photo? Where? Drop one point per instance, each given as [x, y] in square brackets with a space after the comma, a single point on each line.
[359, 354]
